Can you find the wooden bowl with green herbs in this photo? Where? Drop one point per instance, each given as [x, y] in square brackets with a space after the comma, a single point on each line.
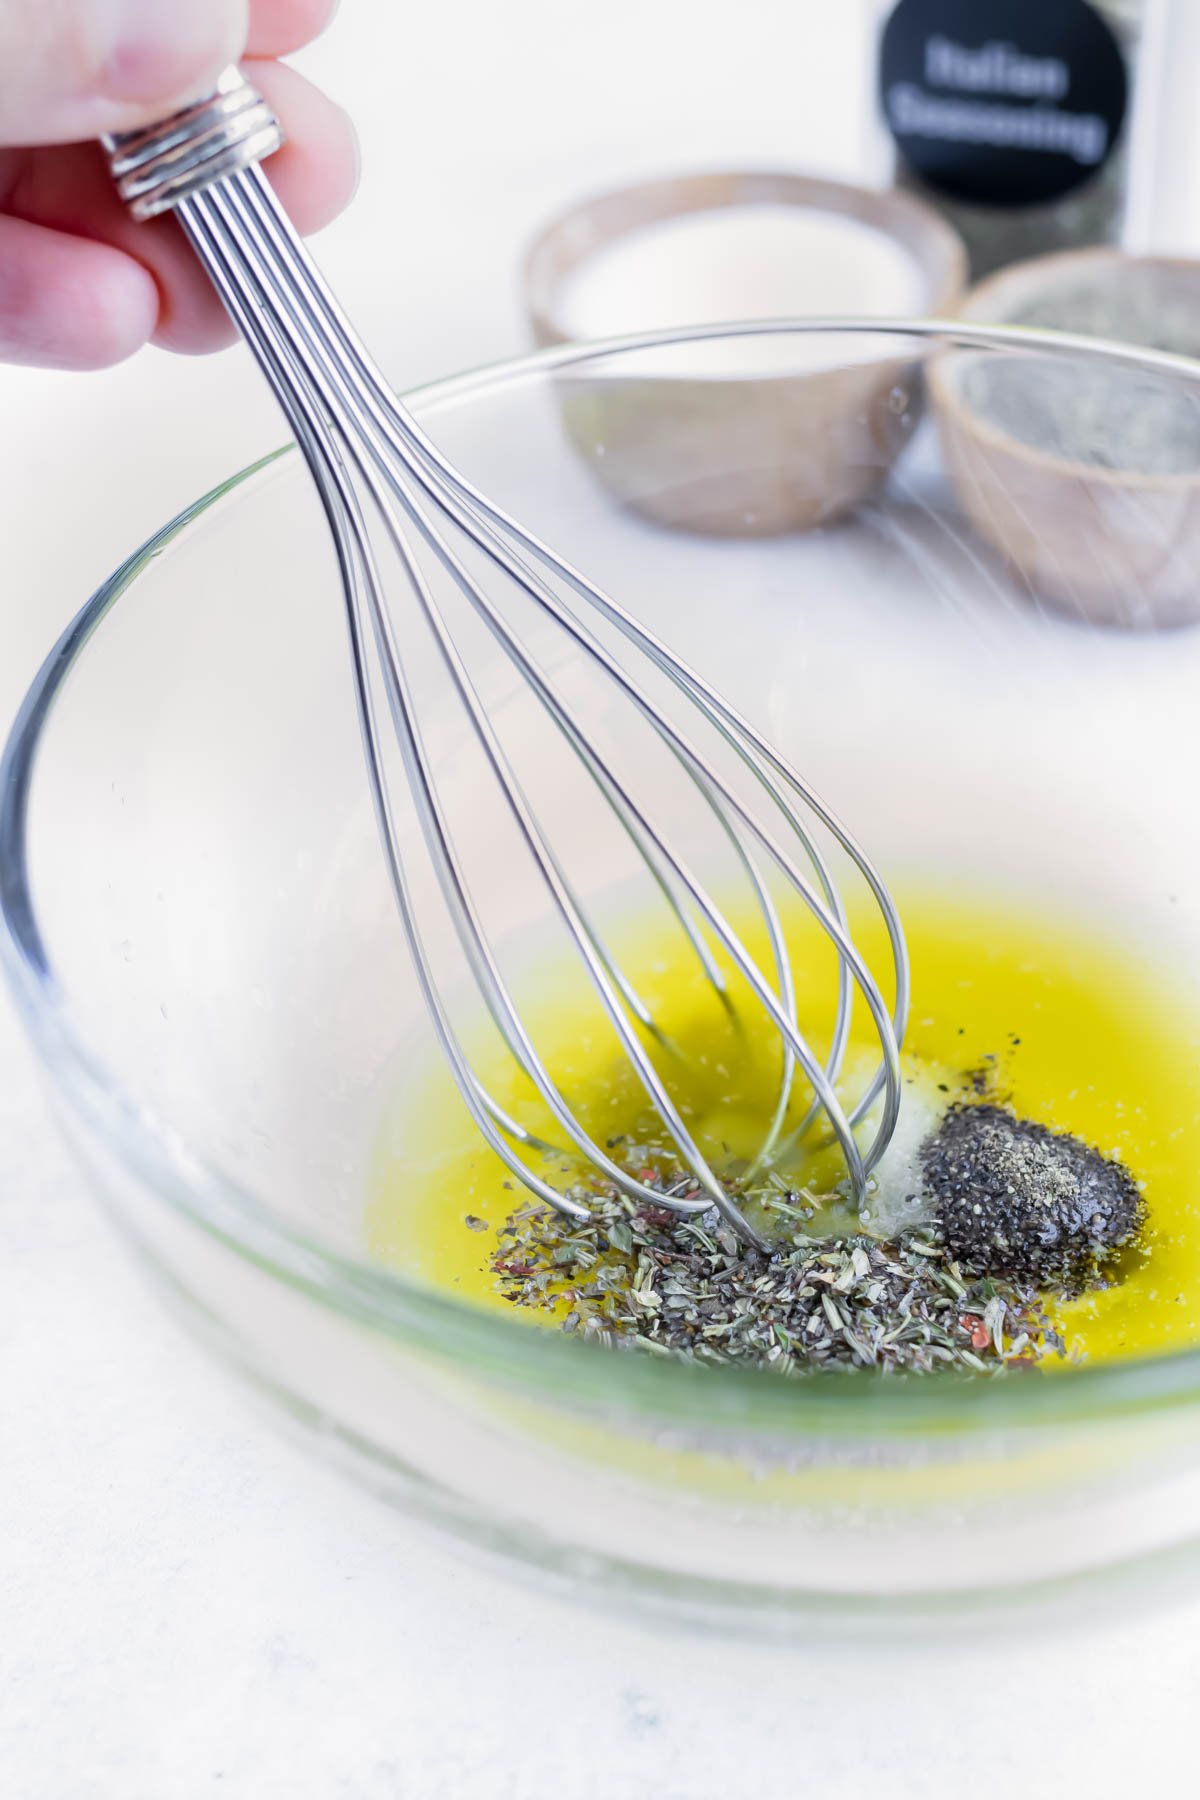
[1081, 471]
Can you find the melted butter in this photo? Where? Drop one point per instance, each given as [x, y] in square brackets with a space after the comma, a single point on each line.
[1086, 1036]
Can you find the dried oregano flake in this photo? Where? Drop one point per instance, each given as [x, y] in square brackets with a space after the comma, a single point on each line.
[638, 1276]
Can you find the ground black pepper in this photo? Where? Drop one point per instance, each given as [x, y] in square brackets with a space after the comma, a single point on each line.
[1019, 1202]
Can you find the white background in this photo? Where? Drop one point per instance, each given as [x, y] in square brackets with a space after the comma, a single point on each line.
[187, 1606]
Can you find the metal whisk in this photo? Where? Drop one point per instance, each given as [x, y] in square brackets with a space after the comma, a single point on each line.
[384, 484]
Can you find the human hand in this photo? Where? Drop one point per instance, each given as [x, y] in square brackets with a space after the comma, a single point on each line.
[82, 285]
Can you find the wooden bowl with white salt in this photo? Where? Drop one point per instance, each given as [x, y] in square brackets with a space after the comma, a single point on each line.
[748, 436]
[1083, 474]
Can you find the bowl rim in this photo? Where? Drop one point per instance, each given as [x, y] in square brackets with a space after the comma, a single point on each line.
[556, 1366]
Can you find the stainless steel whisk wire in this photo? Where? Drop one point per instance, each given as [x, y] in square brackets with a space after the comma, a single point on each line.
[352, 431]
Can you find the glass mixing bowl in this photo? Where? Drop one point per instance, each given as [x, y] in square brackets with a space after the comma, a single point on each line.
[948, 622]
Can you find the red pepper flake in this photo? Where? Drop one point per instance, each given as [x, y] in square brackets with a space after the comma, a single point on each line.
[661, 1216]
[976, 1330]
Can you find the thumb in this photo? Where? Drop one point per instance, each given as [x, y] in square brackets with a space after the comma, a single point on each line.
[73, 69]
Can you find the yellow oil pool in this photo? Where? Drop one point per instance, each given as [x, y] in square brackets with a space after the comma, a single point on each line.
[1086, 1037]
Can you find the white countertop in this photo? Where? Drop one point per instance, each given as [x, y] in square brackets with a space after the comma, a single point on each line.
[187, 1604]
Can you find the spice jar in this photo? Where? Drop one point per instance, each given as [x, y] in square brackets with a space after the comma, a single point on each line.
[1014, 117]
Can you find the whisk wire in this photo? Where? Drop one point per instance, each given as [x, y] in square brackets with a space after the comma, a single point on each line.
[481, 601]
[441, 846]
[353, 431]
[241, 228]
[371, 391]
[339, 504]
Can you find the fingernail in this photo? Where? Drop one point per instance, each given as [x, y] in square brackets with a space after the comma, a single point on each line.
[164, 52]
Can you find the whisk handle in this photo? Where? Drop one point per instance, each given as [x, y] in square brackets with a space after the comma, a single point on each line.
[159, 165]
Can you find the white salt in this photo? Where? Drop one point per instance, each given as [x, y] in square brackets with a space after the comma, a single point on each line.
[741, 262]
[897, 1199]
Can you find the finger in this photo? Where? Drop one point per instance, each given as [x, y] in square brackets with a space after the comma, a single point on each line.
[69, 188]
[315, 175]
[316, 172]
[73, 70]
[69, 304]
[277, 27]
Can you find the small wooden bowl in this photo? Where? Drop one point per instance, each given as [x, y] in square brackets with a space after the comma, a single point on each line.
[728, 454]
[1113, 546]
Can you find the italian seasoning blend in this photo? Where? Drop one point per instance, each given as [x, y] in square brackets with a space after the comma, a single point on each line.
[1011, 1214]
[1012, 117]
[643, 1278]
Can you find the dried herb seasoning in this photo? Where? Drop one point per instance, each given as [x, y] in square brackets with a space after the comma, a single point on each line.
[1103, 416]
[643, 1278]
